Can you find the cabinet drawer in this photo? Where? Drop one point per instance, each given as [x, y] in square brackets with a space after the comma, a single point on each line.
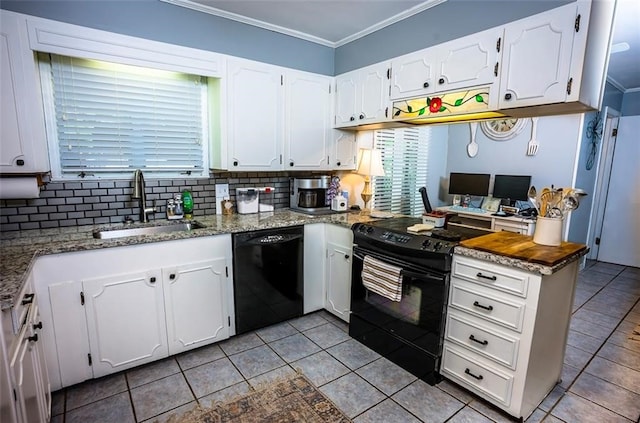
[498, 347]
[467, 371]
[501, 311]
[511, 227]
[499, 277]
[19, 311]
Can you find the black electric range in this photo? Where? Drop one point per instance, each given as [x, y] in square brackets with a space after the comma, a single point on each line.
[432, 249]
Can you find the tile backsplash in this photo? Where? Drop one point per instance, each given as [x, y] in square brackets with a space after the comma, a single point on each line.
[64, 204]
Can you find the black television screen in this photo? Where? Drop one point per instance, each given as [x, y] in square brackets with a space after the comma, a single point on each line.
[511, 187]
[469, 184]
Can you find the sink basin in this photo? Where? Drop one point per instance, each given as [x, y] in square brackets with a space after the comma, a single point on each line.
[147, 230]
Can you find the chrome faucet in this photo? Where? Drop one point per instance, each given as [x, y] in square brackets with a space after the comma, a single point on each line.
[139, 193]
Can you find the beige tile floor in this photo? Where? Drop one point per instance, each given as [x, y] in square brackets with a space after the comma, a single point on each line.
[600, 382]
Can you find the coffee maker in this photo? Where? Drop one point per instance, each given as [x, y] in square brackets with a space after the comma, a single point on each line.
[309, 195]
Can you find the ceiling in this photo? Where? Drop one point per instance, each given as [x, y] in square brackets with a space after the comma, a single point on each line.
[336, 22]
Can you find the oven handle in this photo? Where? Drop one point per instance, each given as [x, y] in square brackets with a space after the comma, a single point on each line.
[415, 271]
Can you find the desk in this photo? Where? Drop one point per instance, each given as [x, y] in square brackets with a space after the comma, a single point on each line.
[518, 224]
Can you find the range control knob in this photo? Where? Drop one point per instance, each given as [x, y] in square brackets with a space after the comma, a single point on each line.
[369, 229]
[426, 244]
[437, 246]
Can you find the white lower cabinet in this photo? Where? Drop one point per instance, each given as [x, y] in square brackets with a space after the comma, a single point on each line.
[506, 331]
[188, 290]
[116, 308]
[29, 398]
[338, 270]
[126, 321]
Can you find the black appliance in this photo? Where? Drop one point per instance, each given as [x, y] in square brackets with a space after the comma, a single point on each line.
[408, 332]
[267, 277]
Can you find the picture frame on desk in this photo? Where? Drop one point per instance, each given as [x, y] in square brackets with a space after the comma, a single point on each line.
[491, 204]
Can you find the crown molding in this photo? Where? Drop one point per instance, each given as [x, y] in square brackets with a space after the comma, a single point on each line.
[298, 34]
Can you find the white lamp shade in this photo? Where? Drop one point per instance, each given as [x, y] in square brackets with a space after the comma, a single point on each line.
[370, 163]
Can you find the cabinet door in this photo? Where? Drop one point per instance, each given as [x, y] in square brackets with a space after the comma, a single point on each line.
[373, 95]
[255, 117]
[23, 145]
[338, 280]
[346, 99]
[69, 334]
[413, 75]
[469, 61]
[33, 398]
[307, 117]
[536, 58]
[126, 321]
[343, 152]
[196, 304]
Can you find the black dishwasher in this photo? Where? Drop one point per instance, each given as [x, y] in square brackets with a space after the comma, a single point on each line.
[268, 279]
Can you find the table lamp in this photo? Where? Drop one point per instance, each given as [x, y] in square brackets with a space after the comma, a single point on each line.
[370, 164]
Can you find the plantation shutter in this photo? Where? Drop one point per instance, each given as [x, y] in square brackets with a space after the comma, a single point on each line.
[113, 119]
[404, 157]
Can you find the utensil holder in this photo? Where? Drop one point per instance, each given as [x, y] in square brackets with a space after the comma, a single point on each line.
[548, 231]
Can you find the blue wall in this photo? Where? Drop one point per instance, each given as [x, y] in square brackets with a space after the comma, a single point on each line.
[444, 22]
[612, 97]
[156, 20]
[159, 21]
[631, 103]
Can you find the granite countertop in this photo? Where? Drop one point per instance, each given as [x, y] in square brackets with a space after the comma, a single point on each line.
[19, 249]
[517, 263]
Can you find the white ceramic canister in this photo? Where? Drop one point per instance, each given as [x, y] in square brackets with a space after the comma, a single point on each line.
[548, 231]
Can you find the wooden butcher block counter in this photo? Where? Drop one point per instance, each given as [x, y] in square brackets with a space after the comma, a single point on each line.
[522, 247]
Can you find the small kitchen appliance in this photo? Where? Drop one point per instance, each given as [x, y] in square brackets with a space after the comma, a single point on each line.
[309, 195]
[247, 200]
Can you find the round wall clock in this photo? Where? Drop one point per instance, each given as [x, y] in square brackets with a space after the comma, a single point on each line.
[502, 129]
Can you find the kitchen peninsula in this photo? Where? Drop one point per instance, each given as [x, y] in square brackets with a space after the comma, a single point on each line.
[508, 318]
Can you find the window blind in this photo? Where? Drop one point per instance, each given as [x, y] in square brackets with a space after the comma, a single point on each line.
[404, 157]
[112, 119]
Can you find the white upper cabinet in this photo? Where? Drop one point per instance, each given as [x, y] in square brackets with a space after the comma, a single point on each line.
[277, 118]
[412, 75]
[255, 125]
[343, 150]
[362, 96]
[307, 121]
[465, 62]
[537, 58]
[23, 143]
[469, 61]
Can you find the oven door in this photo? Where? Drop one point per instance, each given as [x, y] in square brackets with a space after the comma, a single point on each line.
[418, 318]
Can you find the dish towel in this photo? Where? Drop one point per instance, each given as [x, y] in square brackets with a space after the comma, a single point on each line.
[382, 278]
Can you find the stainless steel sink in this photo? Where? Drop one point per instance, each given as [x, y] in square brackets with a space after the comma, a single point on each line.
[147, 230]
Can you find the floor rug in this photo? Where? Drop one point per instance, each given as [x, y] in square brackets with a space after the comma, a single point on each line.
[283, 401]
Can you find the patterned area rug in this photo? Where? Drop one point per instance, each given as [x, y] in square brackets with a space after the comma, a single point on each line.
[284, 401]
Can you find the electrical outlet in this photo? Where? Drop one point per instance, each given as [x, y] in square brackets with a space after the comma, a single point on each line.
[222, 192]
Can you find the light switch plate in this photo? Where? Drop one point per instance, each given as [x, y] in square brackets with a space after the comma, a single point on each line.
[222, 192]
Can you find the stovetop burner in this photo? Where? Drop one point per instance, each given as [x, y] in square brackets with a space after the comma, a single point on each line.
[446, 235]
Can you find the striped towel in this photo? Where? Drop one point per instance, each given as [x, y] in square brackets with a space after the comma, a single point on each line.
[382, 278]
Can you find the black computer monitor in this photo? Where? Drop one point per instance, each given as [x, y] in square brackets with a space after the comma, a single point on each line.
[511, 188]
[476, 184]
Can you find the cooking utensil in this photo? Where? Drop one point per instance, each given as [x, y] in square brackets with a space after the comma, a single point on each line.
[555, 212]
[570, 202]
[532, 194]
[425, 200]
[532, 146]
[472, 147]
[545, 197]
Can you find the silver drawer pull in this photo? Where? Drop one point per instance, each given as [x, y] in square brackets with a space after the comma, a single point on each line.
[477, 304]
[467, 371]
[491, 278]
[473, 338]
